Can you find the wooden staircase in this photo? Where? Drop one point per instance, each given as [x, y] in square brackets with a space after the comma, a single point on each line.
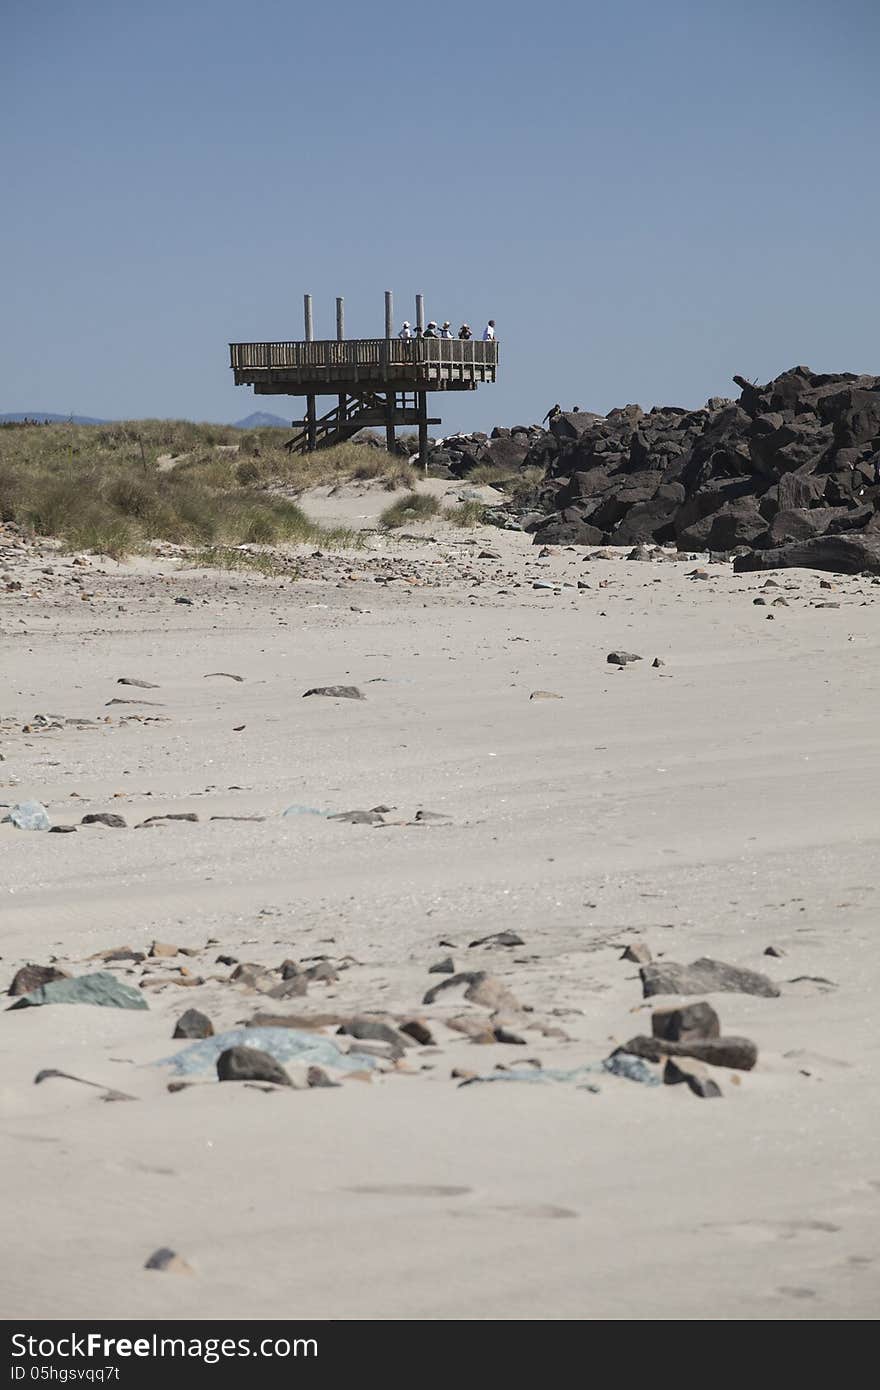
[340, 423]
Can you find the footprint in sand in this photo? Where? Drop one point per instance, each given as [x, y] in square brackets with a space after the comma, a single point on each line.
[762, 1232]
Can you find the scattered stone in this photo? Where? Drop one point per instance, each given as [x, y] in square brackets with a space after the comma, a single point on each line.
[337, 692]
[62, 829]
[446, 966]
[418, 1030]
[141, 685]
[504, 1035]
[689, 1023]
[773, 951]
[637, 952]
[621, 658]
[499, 938]
[253, 975]
[181, 599]
[250, 1064]
[740, 1054]
[294, 987]
[694, 1074]
[228, 674]
[544, 695]
[193, 1024]
[171, 815]
[704, 976]
[108, 1092]
[101, 989]
[481, 989]
[113, 822]
[163, 949]
[367, 1029]
[28, 815]
[656, 663]
[359, 817]
[30, 977]
[168, 1261]
[251, 818]
[118, 954]
[323, 970]
[422, 816]
[478, 1030]
[289, 969]
[317, 1077]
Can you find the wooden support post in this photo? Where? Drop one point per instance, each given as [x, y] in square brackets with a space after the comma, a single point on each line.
[423, 429]
[312, 422]
[307, 315]
[420, 313]
[340, 337]
[390, 404]
[389, 314]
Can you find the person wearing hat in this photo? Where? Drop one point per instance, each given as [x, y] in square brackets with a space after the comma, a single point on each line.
[446, 330]
[431, 331]
[465, 333]
[406, 331]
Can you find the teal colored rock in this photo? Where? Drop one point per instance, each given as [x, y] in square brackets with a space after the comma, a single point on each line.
[29, 815]
[101, 988]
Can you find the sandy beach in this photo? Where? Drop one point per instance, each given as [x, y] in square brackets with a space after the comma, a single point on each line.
[714, 805]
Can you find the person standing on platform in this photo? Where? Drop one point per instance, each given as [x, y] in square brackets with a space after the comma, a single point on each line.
[489, 332]
[465, 333]
[446, 330]
[432, 331]
[405, 332]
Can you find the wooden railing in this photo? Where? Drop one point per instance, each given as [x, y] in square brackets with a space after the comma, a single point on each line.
[364, 352]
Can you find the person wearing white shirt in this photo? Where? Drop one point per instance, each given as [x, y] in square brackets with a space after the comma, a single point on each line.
[446, 330]
[489, 332]
[405, 332]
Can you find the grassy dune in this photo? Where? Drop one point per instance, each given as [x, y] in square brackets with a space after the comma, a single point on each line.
[115, 488]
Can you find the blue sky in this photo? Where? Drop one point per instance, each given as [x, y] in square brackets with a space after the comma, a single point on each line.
[647, 196]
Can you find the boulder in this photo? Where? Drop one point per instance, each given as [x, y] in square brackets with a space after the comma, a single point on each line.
[704, 976]
[841, 554]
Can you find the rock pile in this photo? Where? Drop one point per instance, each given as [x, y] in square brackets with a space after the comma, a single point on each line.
[793, 464]
[459, 454]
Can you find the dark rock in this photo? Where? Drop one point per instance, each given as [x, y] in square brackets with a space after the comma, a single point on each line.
[375, 1030]
[687, 1023]
[741, 1054]
[30, 977]
[621, 658]
[193, 1024]
[418, 1030]
[250, 1064]
[773, 951]
[164, 1260]
[289, 969]
[142, 685]
[171, 815]
[446, 966]
[846, 554]
[704, 976]
[62, 829]
[499, 938]
[337, 692]
[504, 1035]
[105, 818]
[317, 1077]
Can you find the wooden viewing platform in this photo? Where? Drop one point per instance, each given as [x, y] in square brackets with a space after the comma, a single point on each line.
[375, 380]
[415, 364]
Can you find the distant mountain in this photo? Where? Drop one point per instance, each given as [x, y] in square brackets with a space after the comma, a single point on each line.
[260, 420]
[15, 417]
